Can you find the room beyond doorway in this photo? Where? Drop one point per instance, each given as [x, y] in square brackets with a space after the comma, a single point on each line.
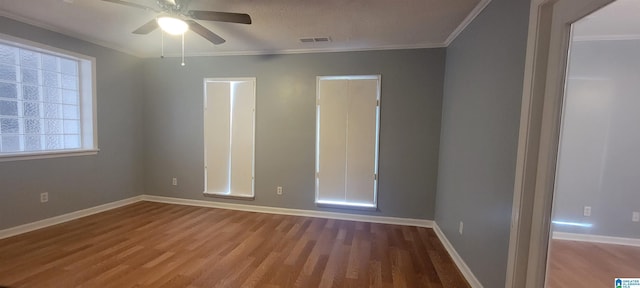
[594, 233]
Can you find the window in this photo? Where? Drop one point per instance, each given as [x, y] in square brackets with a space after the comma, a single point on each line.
[229, 132]
[46, 101]
[348, 117]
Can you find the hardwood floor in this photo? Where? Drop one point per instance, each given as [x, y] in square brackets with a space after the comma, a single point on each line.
[584, 264]
[161, 245]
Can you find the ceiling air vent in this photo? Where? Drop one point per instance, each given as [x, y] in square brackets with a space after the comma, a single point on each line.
[315, 39]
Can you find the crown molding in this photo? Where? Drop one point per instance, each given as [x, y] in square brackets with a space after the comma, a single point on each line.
[304, 51]
[472, 15]
[468, 20]
[65, 32]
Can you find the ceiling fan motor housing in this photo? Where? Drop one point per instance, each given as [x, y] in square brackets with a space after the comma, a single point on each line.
[178, 9]
[174, 7]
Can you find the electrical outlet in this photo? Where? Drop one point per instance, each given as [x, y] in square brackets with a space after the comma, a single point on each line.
[635, 217]
[279, 190]
[44, 197]
[174, 182]
[460, 228]
[587, 211]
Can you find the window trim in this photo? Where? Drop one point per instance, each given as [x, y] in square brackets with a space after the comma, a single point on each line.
[345, 204]
[86, 64]
[253, 164]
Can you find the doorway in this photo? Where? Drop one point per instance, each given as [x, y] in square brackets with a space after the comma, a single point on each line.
[595, 221]
[540, 143]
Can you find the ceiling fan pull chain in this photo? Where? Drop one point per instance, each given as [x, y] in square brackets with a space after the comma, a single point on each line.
[162, 44]
[182, 49]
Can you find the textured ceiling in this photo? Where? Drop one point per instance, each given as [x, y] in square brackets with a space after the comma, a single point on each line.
[277, 24]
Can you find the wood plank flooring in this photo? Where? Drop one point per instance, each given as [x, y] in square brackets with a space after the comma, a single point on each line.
[584, 264]
[162, 245]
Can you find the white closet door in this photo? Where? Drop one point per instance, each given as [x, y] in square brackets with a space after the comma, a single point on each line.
[217, 137]
[333, 140]
[243, 104]
[361, 147]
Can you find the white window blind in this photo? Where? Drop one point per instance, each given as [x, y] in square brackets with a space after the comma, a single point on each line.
[229, 124]
[46, 100]
[347, 140]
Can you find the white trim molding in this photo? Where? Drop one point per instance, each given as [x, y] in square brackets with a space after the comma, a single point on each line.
[463, 25]
[13, 231]
[47, 155]
[596, 238]
[211, 204]
[304, 51]
[466, 271]
[65, 32]
[293, 212]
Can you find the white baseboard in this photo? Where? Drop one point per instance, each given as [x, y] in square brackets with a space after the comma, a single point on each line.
[66, 217]
[293, 212]
[251, 208]
[466, 271]
[473, 281]
[596, 238]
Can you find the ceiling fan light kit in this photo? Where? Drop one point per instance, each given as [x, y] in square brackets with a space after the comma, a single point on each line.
[172, 25]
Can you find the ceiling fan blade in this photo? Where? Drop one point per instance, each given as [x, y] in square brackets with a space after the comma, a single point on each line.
[204, 32]
[146, 28]
[135, 5]
[220, 16]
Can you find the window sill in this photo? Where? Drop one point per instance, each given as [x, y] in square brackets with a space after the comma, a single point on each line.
[227, 196]
[46, 155]
[341, 205]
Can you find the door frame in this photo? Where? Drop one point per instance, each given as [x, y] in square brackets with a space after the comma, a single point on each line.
[543, 92]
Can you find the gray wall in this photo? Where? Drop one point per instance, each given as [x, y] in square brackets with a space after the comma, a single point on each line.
[76, 183]
[599, 158]
[285, 125]
[481, 115]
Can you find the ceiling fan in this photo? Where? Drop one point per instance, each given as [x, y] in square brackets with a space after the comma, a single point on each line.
[175, 18]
